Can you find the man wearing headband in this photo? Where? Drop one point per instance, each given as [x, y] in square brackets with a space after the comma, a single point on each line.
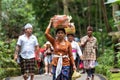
[27, 44]
[75, 49]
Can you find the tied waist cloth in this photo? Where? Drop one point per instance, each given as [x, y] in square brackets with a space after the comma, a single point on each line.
[74, 50]
[59, 64]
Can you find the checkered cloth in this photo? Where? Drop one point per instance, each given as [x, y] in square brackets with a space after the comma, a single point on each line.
[28, 65]
[89, 50]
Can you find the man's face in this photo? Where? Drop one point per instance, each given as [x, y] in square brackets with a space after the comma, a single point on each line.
[89, 33]
[29, 30]
[70, 38]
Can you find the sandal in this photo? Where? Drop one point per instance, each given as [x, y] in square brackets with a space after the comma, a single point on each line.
[87, 78]
[92, 77]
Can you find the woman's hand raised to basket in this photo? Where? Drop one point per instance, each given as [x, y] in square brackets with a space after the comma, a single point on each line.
[50, 23]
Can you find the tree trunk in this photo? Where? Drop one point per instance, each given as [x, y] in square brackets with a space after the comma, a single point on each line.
[108, 27]
[89, 12]
[65, 6]
[57, 2]
[79, 26]
[100, 26]
[96, 14]
[0, 11]
[115, 7]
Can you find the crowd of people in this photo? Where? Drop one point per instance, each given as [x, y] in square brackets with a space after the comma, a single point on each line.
[59, 57]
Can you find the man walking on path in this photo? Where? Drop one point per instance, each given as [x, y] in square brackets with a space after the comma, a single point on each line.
[27, 44]
[89, 45]
[75, 50]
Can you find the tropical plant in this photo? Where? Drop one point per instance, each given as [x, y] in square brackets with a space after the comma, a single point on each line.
[15, 14]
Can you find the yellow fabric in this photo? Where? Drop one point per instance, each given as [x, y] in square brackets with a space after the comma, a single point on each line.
[76, 75]
[70, 30]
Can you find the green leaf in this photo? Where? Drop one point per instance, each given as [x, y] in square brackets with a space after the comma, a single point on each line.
[111, 1]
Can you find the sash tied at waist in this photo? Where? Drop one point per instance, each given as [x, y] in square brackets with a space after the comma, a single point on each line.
[74, 50]
[59, 64]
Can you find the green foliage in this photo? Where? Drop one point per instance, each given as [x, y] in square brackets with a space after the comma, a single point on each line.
[15, 14]
[107, 58]
[118, 62]
[7, 72]
[104, 42]
[6, 57]
[8, 67]
[115, 76]
[106, 62]
[41, 38]
[44, 10]
[112, 1]
[2, 72]
[105, 70]
[117, 13]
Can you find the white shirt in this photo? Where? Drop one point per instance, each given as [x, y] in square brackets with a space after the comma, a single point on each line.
[27, 46]
[75, 49]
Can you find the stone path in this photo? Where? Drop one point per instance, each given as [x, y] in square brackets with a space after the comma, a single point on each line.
[48, 77]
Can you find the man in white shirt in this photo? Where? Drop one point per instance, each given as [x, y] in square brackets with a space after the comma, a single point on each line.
[75, 47]
[75, 50]
[27, 44]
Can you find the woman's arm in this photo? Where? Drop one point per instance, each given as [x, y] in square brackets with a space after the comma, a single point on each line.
[47, 33]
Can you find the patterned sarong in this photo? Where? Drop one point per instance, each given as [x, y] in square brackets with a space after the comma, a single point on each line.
[28, 65]
[64, 75]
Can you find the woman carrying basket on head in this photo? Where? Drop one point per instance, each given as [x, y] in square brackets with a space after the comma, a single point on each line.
[62, 56]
